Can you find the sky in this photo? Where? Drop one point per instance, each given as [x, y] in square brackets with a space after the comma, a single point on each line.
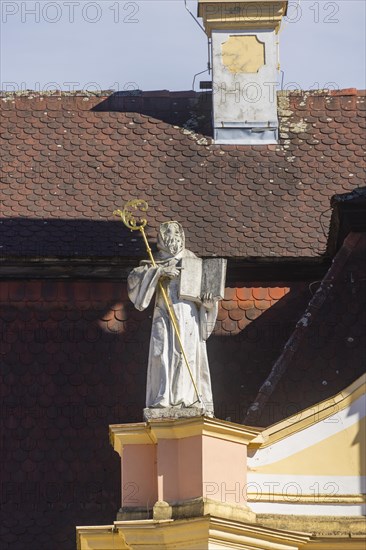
[156, 44]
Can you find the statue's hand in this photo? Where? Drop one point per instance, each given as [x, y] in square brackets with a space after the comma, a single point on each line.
[170, 272]
[208, 300]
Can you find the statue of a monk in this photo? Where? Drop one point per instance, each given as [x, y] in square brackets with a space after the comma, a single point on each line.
[169, 384]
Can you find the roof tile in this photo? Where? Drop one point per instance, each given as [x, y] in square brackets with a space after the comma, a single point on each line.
[252, 187]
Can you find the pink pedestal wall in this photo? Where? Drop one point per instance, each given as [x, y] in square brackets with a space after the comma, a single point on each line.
[138, 476]
[180, 460]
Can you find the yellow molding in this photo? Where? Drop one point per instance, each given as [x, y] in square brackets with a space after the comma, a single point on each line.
[200, 533]
[269, 538]
[148, 433]
[190, 427]
[130, 434]
[337, 455]
[318, 525]
[188, 534]
[151, 534]
[338, 543]
[310, 416]
[105, 537]
[233, 15]
[290, 498]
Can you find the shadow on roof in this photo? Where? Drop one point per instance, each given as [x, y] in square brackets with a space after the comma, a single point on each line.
[190, 110]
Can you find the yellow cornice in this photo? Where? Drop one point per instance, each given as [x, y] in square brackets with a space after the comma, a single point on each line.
[233, 15]
[148, 433]
[259, 536]
[148, 534]
[100, 537]
[188, 534]
[189, 427]
[338, 543]
[306, 499]
[130, 434]
[323, 528]
[310, 416]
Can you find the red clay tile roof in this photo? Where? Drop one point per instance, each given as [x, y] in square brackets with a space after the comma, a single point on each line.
[68, 161]
[242, 305]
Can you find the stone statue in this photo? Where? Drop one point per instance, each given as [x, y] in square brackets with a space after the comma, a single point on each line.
[169, 384]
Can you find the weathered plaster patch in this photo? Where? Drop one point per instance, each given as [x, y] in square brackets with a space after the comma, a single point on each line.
[243, 54]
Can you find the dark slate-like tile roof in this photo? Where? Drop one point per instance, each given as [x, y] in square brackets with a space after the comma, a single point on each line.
[67, 372]
[73, 360]
[327, 350]
[67, 161]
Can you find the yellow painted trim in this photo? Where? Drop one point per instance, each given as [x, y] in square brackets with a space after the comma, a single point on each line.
[310, 416]
[240, 535]
[203, 426]
[336, 455]
[306, 499]
[166, 534]
[105, 537]
[349, 530]
[188, 534]
[232, 15]
[130, 434]
[149, 433]
[198, 533]
[338, 543]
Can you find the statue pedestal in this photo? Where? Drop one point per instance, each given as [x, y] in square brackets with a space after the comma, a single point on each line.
[172, 413]
[183, 468]
[184, 488]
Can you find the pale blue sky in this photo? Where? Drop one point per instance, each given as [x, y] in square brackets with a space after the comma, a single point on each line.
[155, 44]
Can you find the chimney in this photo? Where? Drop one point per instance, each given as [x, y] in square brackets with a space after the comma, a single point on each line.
[244, 42]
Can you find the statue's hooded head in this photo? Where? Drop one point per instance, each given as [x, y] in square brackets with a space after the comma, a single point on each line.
[171, 238]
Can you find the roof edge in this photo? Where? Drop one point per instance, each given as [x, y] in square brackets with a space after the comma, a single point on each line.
[311, 415]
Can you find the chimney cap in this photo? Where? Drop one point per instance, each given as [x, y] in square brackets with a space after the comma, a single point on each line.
[242, 14]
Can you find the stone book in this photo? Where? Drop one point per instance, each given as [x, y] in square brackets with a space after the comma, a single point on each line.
[199, 277]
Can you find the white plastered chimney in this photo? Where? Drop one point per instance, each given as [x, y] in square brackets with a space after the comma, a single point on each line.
[244, 41]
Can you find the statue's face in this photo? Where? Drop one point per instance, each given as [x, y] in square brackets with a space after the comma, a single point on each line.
[171, 235]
